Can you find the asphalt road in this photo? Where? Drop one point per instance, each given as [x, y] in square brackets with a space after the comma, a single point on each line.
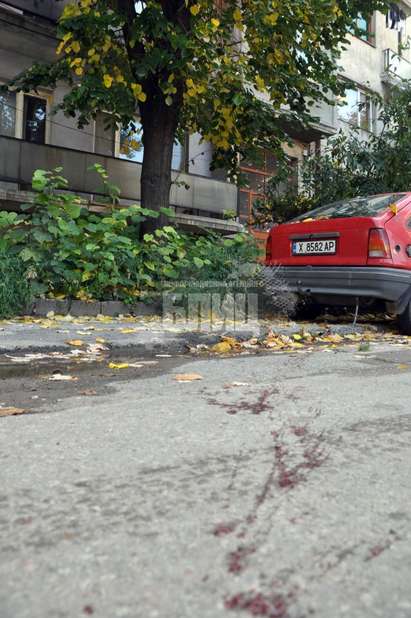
[278, 485]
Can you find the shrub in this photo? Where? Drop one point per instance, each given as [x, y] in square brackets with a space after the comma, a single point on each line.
[89, 255]
[15, 290]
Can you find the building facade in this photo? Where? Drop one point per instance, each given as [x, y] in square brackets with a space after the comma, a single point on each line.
[31, 137]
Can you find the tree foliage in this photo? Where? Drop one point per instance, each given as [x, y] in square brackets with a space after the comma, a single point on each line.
[350, 165]
[231, 70]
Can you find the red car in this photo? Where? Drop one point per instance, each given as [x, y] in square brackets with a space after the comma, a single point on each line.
[347, 253]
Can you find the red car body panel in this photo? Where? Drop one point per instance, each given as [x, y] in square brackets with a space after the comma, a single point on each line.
[352, 237]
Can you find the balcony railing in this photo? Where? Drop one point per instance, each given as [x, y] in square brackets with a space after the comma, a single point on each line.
[19, 159]
[395, 67]
[48, 9]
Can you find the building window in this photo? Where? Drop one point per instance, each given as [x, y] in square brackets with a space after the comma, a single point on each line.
[253, 194]
[34, 122]
[358, 109]
[8, 114]
[131, 147]
[364, 28]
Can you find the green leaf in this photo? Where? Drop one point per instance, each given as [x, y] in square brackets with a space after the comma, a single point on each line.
[73, 210]
[28, 254]
[40, 180]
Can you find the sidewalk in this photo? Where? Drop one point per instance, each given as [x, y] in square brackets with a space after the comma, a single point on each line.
[155, 335]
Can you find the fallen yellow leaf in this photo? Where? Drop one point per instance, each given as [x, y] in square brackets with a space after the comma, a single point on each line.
[100, 340]
[75, 342]
[187, 377]
[403, 366]
[11, 411]
[222, 348]
[118, 365]
[127, 331]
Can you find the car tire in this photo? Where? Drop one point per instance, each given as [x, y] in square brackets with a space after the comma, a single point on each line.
[404, 320]
[306, 309]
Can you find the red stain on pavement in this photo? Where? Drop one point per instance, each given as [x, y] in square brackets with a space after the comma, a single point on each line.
[258, 604]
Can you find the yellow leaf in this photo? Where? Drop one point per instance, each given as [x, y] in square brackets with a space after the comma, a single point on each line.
[108, 80]
[75, 46]
[297, 337]
[195, 9]
[118, 365]
[237, 14]
[100, 340]
[271, 19]
[215, 22]
[75, 342]
[260, 83]
[187, 377]
[221, 348]
[403, 366]
[11, 411]
[393, 208]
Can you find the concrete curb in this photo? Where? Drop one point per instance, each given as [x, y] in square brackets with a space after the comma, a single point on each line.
[113, 308]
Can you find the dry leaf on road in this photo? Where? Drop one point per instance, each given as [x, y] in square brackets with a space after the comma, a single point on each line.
[75, 342]
[61, 377]
[119, 365]
[235, 384]
[222, 348]
[187, 377]
[11, 411]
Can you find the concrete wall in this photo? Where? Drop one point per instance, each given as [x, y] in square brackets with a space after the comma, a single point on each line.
[363, 62]
[19, 159]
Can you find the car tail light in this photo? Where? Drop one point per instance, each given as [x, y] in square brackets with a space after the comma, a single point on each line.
[268, 249]
[378, 244]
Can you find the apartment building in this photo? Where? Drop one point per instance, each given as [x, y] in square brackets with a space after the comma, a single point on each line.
[31, 137]
[377, 58]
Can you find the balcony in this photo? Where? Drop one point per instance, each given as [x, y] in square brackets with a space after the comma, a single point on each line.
[48, 9]
[324, 125]
[19, 159]
[395, 68]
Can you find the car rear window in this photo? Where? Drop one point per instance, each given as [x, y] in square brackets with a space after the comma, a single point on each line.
[368, 206]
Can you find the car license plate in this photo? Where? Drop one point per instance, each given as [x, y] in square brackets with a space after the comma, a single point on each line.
[314, 247]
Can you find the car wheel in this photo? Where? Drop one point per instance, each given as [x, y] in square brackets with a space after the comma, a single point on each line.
[307, 309]
[404, 320]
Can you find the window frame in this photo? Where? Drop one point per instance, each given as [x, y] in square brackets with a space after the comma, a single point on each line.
[369, 35]
[184, 158]
[360, 91]
[19, 113]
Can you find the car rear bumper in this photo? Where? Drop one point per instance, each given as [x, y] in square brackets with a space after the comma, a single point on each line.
[387, 284]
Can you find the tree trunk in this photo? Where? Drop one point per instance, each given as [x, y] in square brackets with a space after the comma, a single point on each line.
[159, 123]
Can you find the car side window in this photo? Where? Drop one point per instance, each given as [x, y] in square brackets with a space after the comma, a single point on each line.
[409, 224]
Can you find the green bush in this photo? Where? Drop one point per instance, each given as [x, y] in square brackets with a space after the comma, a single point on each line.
[15, 290]
[73, 252]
